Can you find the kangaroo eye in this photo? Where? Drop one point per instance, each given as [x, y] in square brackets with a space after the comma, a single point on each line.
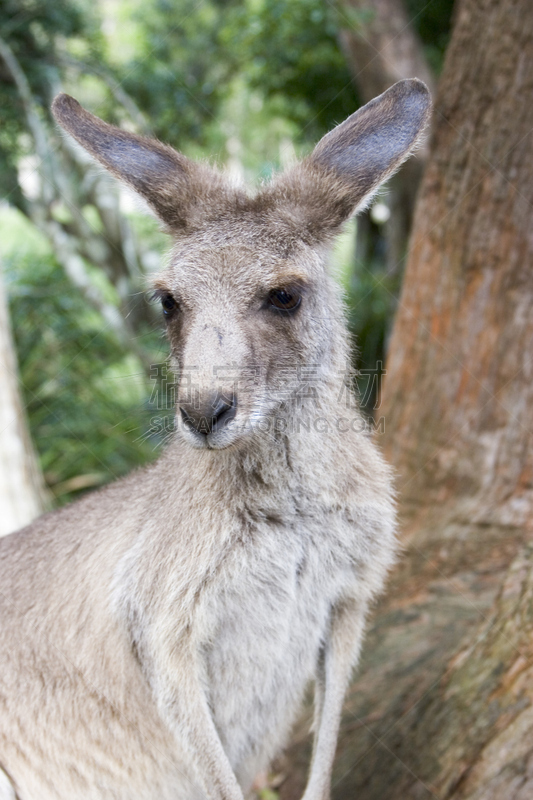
[285, 299]
[169, 305]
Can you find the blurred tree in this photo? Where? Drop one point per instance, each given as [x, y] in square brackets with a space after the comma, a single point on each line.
[86, 398]
[178, 71]
[443, 704]
[35, 31]
[22, 492]
[48, 179]
[289, 52]
[382, 47]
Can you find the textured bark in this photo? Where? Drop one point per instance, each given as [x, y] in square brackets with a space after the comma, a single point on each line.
[22, 492]
[459, 394]
[442, 706]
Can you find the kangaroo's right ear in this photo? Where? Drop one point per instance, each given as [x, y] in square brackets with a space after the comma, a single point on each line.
[348, 165]
[162, 176]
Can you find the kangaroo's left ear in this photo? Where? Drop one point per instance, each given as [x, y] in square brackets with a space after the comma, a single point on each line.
[171, 184]
[348, 165]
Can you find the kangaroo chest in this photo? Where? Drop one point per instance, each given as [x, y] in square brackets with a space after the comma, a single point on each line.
[268, 620]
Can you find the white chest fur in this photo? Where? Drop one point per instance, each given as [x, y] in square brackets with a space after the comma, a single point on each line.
[274, 596]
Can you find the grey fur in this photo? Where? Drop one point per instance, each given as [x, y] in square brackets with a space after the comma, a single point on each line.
[157, 636]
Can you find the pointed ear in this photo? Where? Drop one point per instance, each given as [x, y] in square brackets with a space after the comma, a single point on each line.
[348, 165]
[158, 173]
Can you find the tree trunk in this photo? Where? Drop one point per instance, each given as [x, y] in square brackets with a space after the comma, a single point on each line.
[22, 493]
[382, 47]
[442, 706]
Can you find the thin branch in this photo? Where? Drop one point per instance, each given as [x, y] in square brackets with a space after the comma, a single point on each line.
[67, 252]
[54, 183]
[38, 130]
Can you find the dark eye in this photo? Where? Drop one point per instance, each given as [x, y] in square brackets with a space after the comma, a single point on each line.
[169, 305]
[285, 299]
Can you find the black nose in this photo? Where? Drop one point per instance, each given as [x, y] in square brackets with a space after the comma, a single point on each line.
[213, 415]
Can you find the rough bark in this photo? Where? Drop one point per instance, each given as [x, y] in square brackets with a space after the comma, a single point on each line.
[459, 394]
[22, 492]
[382, 47]
[442, 706]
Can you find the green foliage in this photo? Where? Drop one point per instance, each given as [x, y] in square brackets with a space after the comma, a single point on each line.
[177, 71]
[186, 59]
[39, 33]
[288, 50]
[86, 399]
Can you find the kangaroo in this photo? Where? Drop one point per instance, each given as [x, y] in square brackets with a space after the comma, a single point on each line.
[157, 636]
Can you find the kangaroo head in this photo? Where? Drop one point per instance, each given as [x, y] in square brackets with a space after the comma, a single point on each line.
[247, 300]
